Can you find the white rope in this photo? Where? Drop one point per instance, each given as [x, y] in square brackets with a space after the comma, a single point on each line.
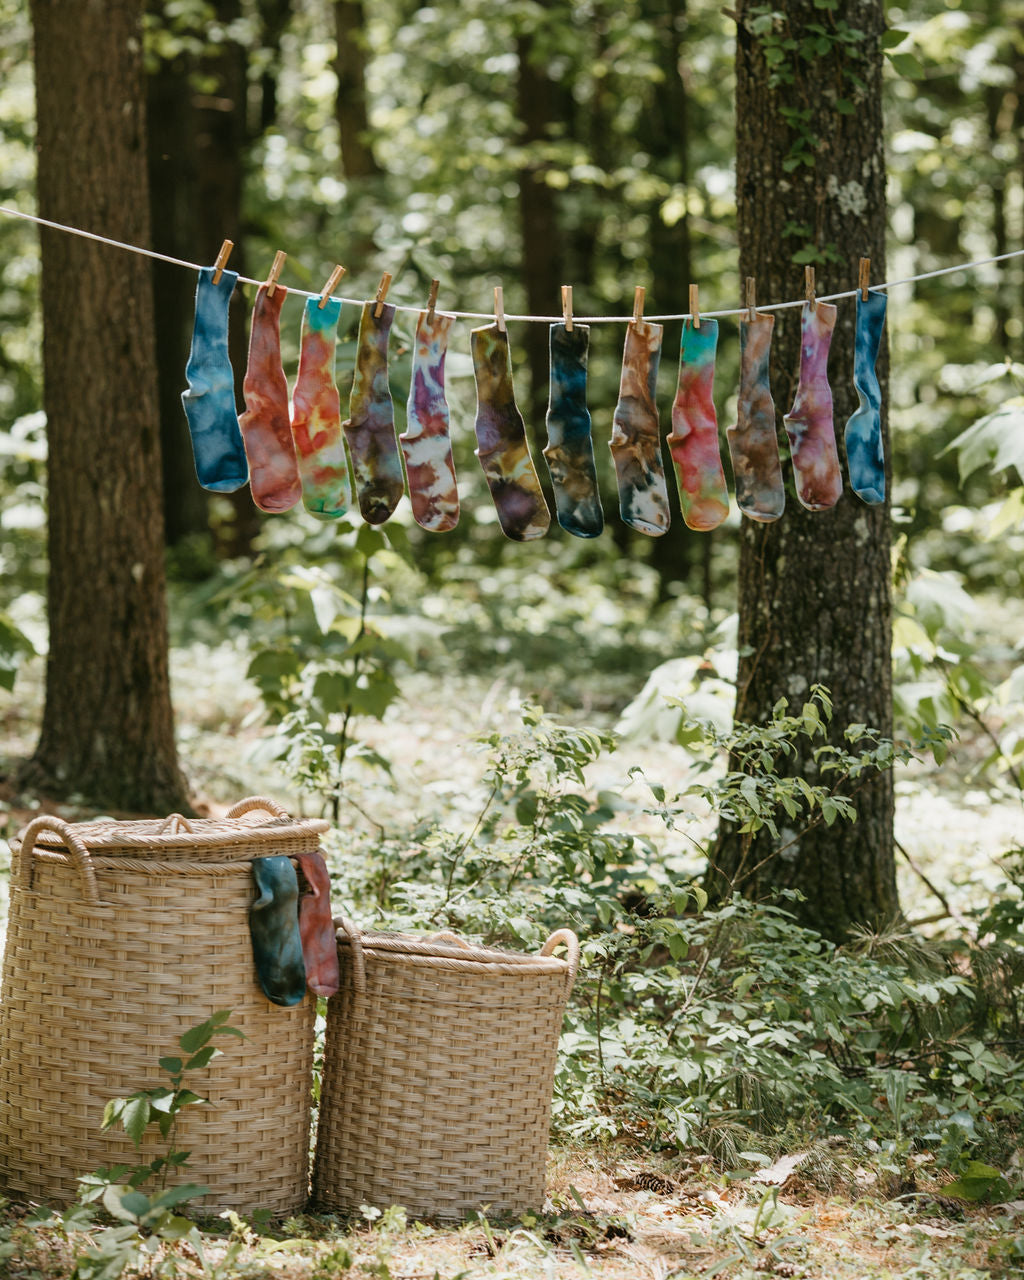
[489, 315]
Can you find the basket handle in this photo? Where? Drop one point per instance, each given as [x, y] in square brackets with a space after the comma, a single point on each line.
[446, 935]
[257, 802]
[76, 851]
[175, 824]
[355, 937]
[566, 938]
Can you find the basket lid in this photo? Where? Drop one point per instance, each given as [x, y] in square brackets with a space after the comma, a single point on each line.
[252, 822]
[448, 951]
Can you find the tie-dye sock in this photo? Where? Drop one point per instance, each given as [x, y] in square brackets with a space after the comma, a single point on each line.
[316, 415]
[316, 927]
[370, 429]
[266, 427]
[426, 442]
[812, 437]
[274, 926]
[210, 399]
[636, 434]
[865, 455]
[693, 441]
[503, 450]
[570, 449]
[753, 442]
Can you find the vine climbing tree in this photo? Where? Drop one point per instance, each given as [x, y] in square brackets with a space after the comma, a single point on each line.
[814, 586]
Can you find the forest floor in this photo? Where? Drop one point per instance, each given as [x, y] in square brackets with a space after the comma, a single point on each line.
[618, 1210]
[600, 1221]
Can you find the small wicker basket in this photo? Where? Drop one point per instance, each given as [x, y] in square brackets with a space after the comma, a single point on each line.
[438, 1073]
[123, 936]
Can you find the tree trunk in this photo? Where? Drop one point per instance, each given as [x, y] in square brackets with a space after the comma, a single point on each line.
[174, 202]
[107, 732]
[814, 587]
[542, 260]
[357, 156]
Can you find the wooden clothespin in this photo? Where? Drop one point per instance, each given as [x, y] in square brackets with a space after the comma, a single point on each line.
[333, 279]
[567, 307]
[751, 299]
[222, 257]
[435, 285]
[499, 308]
[809, 286]
[862, 279]
[382, 293]
[695, 306]
[639, 293]
[275, 271]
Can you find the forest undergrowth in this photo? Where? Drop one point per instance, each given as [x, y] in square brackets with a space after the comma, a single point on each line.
[735, 1094]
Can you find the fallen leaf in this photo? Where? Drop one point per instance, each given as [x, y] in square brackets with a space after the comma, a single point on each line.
[784, 1168]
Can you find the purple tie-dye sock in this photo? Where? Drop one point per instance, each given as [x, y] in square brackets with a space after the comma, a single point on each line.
[812, 438]
[426, 442]
[370, 429]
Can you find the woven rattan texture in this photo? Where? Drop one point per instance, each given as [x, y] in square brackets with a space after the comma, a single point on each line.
[254, 828]
[437, 1084]
[94, 995]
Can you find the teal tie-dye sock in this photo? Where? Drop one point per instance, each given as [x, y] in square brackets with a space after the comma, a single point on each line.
[274, 926]
[209, 402]
[865, 455]
[570, 449]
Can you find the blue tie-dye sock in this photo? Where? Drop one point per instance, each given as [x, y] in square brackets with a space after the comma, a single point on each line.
[865, 456]
[570, 449]
[217, 447]
[274, 926]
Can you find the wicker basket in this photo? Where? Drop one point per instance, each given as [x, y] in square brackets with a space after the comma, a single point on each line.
[438, 1072]
[122, 936]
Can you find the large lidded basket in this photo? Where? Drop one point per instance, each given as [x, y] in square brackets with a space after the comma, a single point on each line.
[438, 1073]
[123, 936]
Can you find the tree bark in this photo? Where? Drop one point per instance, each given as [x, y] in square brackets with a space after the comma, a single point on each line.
[357, 155]
[107, 732]
[542, 258]
[814, 587]
[174, 202]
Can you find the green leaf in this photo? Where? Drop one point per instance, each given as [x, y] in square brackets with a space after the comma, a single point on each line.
[893, 37]
[14, 646]
[173, 1066]
[995, 441]
[135, 1117]
[186, 1098]
[976, 1182]
[172, 1196]
[203, 1058]
[200, 1035]
[907, 65]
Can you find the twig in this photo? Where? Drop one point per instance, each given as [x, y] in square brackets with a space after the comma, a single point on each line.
[949, 910]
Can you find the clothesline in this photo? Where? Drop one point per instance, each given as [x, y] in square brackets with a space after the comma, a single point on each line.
[489, 315]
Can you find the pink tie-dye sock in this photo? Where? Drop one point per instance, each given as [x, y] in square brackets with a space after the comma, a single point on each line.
[812, 438]
[266, 428]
